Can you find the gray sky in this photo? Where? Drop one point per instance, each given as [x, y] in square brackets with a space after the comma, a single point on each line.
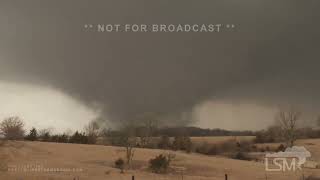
[233, 80]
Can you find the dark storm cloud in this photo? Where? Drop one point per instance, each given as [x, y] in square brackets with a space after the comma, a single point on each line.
[272, 56]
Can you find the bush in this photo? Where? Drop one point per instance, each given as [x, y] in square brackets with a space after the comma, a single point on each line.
[119, 163]
[203, 148]
[182, 143]
[281, 148]
[164, 142]
[241, 156]
[271, 135]
[268, 149]
[160, 164]
[207, 149]
[213, 150]
[230, 147]
[245, 146]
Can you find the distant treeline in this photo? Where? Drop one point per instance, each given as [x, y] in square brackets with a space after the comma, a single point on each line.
[187, 131]
[195, 131]
[77, 137]
[117, 136]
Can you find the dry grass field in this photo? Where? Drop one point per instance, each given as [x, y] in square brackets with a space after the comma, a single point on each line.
[96, 162]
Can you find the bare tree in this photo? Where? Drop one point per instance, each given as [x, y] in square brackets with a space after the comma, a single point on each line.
[149, 126]
[12, 128]
[130, 144]
[129, 141]
[287, 120]
[92, 131]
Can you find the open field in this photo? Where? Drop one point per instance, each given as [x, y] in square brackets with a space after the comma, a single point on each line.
[96, 163]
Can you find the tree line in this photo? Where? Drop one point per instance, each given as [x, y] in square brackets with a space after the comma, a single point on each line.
[12, 128]
[285, 129]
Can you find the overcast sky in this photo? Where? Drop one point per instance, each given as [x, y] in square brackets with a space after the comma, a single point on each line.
[55, 73]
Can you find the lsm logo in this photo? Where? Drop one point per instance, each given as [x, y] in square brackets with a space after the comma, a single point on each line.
[291, 159]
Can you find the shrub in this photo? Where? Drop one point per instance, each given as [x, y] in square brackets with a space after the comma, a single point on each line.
[213, 150]
[182, 143]
[268, 149]
[207, 149]
[241, 156]
[119, 163]
[228, 146]
[225, 148]
[262, 149]
[160, 164]
[203, 148]
[271, 135]
[245, 146]
[281, 148]
[164, 142]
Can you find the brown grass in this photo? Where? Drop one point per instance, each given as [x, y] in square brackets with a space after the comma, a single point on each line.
[97, 163]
